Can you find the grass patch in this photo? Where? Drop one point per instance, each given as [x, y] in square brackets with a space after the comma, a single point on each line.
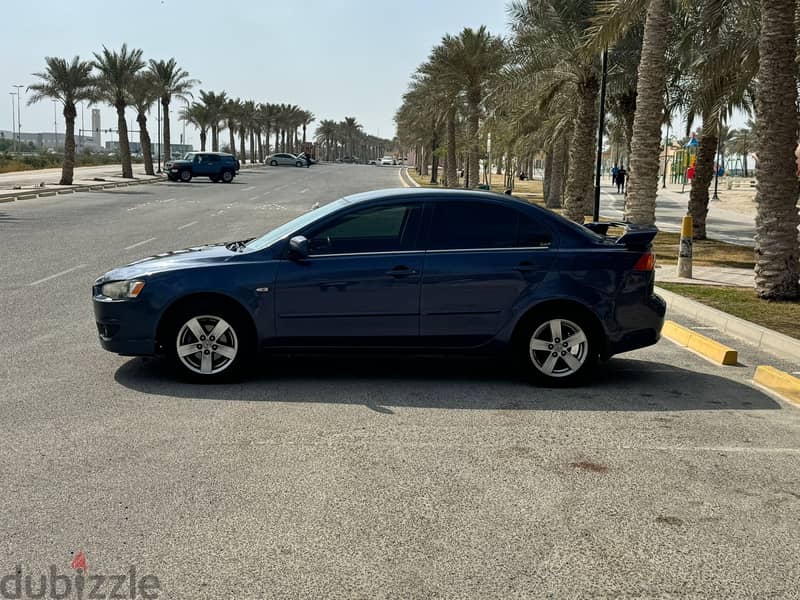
[783, 317]
[530, 189]
[705, 253]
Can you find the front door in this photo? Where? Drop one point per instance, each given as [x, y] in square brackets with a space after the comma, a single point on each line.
[361, 280]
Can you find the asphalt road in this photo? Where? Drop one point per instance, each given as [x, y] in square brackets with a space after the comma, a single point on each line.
[368, 477]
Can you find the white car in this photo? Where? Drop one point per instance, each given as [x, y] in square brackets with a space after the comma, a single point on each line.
[387, 160]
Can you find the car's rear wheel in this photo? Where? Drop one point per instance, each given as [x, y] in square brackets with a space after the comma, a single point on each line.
[227, 176]
[557, 348]
[186, 176]
[274, 163]
[209, 342]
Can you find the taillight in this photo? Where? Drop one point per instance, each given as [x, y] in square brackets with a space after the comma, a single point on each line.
[647, 262]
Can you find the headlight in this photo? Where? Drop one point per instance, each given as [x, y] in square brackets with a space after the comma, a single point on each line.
[119, 290]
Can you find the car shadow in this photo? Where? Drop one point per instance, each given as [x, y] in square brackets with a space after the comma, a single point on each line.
[621, 384]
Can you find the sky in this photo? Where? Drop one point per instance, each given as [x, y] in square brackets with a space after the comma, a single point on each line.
[335, 58]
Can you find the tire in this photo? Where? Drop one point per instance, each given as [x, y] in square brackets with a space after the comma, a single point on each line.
[214, 178]
[298, 164]
[274, 163]
[186, 176]
[227, 176]
[193, 351]
[557, 348]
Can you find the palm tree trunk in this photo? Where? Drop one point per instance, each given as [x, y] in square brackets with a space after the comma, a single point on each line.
[557, 173]
[215, 138]
[578, 199]
[452, 167]
[703, 175]
[242, 136]
[473, 141]
[232, 139]
[260, 142]
[165, 110]
[777, 254]
[124, 146]
[548, 174]
[68, 166]
[252, 146]
[144, 142]
[640, 205]
[203, 136]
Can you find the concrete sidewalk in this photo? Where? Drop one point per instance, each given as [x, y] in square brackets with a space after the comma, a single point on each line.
[720, 276]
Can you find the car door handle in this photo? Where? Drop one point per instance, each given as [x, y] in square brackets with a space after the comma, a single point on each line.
[524, 267]
[401, 271]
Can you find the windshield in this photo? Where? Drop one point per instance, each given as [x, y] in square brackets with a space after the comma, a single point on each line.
[296, 224]
[188, 156]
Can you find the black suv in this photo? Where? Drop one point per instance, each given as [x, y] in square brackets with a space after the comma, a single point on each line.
[217, 166]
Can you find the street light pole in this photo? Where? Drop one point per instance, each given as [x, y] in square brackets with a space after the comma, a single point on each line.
[55, 126]
[19, 113]
[664, 172]
[13, 122]
[158, 104]
[600, 129]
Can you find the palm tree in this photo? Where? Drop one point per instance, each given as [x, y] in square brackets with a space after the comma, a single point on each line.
[614, 19]
[198, 115]
[172, 82]
[144, 92]
[326, 136]
[307, 117]
[215, 103]
[351, 129]
[742, 143]
[116, 73]
[68, 83]
[777, 254]
[233, 114]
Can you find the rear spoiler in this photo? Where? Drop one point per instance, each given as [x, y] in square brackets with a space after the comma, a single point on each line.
[636, 237]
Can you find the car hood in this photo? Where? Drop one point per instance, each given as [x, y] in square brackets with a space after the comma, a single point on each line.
[171, 261]
[173, 163]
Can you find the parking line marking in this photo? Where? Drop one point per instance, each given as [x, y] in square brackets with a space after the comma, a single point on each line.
[247, 189]
[168, 200]
[304, 190]
[187, 225]
[140, 243]
[277, 189]
[265, 194]
[54, 275]
[253, 198]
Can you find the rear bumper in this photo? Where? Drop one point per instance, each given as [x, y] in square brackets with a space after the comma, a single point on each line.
[641, 327]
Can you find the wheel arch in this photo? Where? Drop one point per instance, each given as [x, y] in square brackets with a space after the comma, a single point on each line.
[184, 302]
[563, 305]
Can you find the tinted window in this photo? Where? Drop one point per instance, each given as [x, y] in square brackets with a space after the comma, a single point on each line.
[212, 158]
[531, 234]
[380, 229]
[466, 225]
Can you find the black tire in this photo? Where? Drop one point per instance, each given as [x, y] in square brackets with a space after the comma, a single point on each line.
[237, 336]
[214, 178]
[542, 352]
[298, 164]
[186, 176]
[227, 176]
[274, 163]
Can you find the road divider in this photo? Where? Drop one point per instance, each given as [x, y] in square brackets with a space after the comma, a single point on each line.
[780, 382]
[705, 346]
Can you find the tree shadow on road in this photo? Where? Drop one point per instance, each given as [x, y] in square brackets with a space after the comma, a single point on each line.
[454, 383]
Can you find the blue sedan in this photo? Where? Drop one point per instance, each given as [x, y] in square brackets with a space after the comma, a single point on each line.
[410, 269]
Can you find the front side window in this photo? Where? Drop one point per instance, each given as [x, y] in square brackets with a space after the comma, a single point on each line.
[379, 229]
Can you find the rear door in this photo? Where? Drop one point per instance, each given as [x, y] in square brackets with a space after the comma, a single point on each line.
[360, 282]
[481, 257]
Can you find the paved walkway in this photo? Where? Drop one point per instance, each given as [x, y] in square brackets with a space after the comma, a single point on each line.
[724, 225]
[707, 276]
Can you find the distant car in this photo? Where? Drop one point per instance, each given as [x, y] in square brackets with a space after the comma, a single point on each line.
[416, 270]
[217, 166]
[348, 159]
[387, 160]
[285, 159]
[373, 161]
[302, 156]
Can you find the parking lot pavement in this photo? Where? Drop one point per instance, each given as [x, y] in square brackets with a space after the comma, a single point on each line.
[367, 476]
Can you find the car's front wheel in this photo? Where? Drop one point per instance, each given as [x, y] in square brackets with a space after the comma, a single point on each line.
[557, 348]
[209, 343]
[186, 176]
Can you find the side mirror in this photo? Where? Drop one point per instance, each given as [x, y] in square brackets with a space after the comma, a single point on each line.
[298, 246]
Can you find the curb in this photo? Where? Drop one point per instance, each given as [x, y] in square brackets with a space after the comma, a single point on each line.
[27, 194]
[406, 178]
[780, 345]
[779, 382]
[705, 346]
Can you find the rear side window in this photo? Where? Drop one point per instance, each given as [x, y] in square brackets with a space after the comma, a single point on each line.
[469, 225]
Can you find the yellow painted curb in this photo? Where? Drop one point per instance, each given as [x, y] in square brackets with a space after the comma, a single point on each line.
[711, 349]
[779, 382]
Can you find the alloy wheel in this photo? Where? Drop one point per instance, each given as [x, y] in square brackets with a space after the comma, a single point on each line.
[558, 348]
[207, 344]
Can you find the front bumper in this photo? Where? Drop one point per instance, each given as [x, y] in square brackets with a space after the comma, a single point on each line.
[123, 327]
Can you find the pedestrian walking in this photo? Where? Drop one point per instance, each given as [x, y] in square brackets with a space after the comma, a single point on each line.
[614, 171]
[308, 160]
[620, 179]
